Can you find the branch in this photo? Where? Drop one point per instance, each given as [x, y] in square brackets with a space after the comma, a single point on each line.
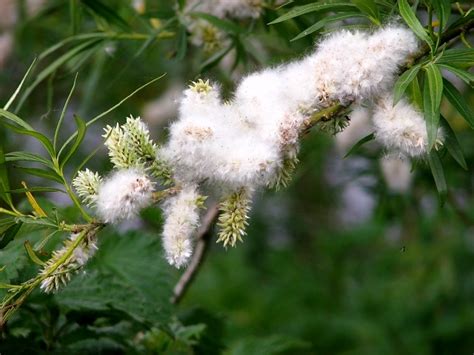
[326, 114]
[202, 246]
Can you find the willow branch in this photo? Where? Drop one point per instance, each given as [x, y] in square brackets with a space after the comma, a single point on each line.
[202, 246]
[326, 114]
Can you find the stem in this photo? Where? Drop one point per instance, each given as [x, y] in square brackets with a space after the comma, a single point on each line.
[11, 213]
[323, 115]
[74, 199]
[160, 195]
[10, 305]
[202, 246]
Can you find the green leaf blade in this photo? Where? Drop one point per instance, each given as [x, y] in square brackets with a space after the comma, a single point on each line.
[359, 144]
[452, 144]
[369, 8]
[458, 57]
[403, 81]
[457, 100]
[314, 7]
[411, 20]
[432, 95]
[438, 175]
[442, 9]
[326, 20]
[81, 133]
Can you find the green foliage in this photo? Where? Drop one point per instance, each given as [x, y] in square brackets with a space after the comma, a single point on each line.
[127, 274]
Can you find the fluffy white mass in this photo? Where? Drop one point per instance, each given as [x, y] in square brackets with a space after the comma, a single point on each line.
[123, 195]
[401, 128]
[357, 65]
[181, 220]
[244, 142]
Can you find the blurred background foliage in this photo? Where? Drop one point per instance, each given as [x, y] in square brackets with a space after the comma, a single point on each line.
[341, 262]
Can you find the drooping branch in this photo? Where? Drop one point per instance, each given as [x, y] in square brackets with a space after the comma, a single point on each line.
[202, 245]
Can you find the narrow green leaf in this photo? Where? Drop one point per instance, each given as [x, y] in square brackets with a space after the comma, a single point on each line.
[438, 175]
[63, 113]
[225, 25]
[36, 189]
[442, 9]
[40, 222]
[77, 38]
[17, 91]
[457, 100]
[411, 20]
[368, 7]
[9, 234]
[40, 137]
[458, 57]
[304, 9]
[4, 181]
[326, 20]
[461, 21]
[47, 174]
[215, 58]
[403, 81]
[464, 75]
[54, 66]
[32, 254]
[31, 157]
[452, 144]
[14, 118]
[81, 133]
[359, 144]
[432, 94]
[415, 93]
[182, 43]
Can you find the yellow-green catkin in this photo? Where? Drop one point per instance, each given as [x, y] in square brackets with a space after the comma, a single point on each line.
[233, 218]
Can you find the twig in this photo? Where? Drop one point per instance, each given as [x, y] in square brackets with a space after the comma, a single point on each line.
[203, 238]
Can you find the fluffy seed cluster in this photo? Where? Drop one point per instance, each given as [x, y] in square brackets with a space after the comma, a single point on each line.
[79, 256]
[401, 128]
[129, 188]
[123, 195]
[245, 142]
[181, 220]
